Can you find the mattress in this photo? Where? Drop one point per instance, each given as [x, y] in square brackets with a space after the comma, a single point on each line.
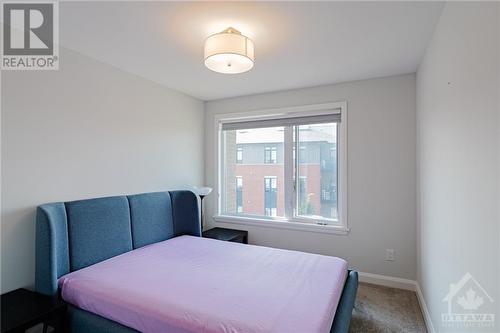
[193, 284]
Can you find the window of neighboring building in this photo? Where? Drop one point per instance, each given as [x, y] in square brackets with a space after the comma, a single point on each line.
[270, 154]
[239, 194]
[304, 166]
[239, 154]
[270, 196]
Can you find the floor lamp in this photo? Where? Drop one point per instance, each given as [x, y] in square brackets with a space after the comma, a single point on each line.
[202, 192]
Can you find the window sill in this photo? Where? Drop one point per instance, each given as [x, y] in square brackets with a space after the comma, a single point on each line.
[268, 223]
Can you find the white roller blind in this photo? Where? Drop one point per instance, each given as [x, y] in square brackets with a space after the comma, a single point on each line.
[334, 117]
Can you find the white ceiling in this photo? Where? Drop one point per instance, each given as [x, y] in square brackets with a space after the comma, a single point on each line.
[298, 44]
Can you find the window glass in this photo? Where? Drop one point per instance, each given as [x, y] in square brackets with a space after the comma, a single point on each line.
[254, 185]
[257, 182]
[317, 171]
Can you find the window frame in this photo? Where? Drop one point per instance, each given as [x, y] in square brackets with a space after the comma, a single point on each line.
[291, 221]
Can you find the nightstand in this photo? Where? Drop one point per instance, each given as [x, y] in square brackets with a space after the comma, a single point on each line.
[23, 309]
[230, 235]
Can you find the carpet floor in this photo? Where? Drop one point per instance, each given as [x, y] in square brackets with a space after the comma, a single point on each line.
[381, 309]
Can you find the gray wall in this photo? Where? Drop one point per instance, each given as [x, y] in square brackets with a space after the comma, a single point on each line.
[381, 166]
[458, 149]
[87, 130]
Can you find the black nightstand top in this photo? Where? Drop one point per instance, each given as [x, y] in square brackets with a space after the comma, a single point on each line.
[22, 308]
[231, 235]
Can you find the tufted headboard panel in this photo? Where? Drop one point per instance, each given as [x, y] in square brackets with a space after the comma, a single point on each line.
[77, 234]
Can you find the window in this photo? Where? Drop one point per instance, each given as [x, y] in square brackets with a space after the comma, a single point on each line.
[239, 154]
[303, 168]
[270, 155]
[270, 196]
[239, 194]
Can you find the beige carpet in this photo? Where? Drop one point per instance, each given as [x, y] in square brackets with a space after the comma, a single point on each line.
[382, 309]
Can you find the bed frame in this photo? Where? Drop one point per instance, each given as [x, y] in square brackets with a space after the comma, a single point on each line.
[77, 234]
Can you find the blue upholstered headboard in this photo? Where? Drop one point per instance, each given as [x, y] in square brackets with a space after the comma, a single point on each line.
[73, 235]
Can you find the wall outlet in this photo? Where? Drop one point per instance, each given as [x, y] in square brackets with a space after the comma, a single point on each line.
[389, 255]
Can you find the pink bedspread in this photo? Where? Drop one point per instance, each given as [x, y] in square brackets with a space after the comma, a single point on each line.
[192, 284]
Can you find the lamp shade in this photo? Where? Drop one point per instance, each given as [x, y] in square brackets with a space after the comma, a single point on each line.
[229, 52]
[202, 191]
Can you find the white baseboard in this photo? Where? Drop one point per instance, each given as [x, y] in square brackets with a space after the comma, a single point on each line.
[388, 281]
[400, 283]
[425, 310]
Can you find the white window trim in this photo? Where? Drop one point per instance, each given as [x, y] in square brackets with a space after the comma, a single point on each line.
[295, 223]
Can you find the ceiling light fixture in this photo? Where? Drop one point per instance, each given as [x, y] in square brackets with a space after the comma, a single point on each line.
[229, 52]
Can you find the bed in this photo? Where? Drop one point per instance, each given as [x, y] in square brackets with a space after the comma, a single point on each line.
[137, 263]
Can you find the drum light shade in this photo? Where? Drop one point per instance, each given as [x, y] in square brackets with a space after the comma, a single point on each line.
[229, 52]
